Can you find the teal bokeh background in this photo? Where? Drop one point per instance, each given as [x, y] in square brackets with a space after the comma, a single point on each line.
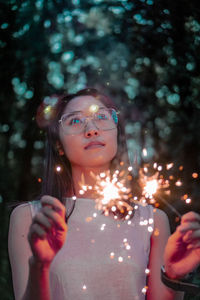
[143, 53]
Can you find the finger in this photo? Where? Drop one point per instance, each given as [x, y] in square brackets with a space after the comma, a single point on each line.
[189, 226]
[176, 236]
[191, 236]
[194, 245]
[41, 219]
[190, 217]
[57, 219]
[54, 203]
[36, 231]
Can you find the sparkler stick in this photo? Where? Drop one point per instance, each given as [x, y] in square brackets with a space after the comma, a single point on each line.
[170, 206]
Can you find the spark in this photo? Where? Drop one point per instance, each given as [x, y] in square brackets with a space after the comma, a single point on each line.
[112, 254]
[102, 175]
[113, 208]
[188, 200]
[147, 271]
[110, 192]
[169, 166]
[58, 168]
[144, 290]
[150, 228]
[195, 175]
[156, 232]
[153, 185]
[144, 151]
[126, 244]
[155, 165]
[88, 219]
[103, 227]
[120, 259]
[178, 183]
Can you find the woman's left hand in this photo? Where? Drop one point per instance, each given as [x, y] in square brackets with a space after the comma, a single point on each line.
[182, 252]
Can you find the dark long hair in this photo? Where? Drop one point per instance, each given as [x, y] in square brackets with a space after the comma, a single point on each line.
[60, 184]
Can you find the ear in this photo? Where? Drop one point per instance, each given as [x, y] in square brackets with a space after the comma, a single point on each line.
[59, 148]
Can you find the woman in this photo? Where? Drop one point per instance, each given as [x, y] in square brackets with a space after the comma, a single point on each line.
[105, 255]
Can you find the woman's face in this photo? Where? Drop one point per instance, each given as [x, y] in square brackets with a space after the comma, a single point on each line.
[92, 147]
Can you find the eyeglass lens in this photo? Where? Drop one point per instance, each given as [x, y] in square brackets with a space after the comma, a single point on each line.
[104, 119]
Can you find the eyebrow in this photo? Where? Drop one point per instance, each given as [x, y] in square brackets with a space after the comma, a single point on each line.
[79, 111]
[73, 112]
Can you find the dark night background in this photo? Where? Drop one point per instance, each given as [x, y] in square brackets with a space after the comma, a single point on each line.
[145, 54]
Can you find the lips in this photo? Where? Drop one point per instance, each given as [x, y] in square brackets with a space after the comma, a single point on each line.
[94, 144]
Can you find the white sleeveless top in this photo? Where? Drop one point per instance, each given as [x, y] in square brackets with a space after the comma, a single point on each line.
[102, 258]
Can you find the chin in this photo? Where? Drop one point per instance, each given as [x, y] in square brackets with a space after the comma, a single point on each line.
[100, 161]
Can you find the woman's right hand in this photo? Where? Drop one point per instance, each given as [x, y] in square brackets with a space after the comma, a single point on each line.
[48, 230]
[182, 252]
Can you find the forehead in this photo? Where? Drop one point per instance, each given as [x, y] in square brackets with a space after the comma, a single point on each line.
[82, 103]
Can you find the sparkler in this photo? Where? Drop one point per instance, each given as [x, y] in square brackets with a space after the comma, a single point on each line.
[110, 192]
[112, 195]
[153, 185]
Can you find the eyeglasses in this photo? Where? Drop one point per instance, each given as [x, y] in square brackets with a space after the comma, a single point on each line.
[103, 119]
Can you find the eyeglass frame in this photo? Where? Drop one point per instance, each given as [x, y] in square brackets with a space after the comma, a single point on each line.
[89, 117]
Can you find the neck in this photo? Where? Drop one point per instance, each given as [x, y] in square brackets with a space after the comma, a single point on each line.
[86, 176]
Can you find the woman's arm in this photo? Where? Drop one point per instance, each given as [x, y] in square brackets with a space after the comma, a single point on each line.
[18, 248]
[156, 289]
[33, 245]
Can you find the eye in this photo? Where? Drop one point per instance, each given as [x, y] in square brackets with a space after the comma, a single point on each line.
[75, 121]
[71, 120]
[102, 116]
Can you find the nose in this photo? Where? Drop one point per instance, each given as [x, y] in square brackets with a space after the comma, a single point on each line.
[91, 129]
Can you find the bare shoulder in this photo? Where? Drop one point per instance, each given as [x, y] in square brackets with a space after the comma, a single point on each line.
[18, 246]
[161, 227]
[160, 218]
[20, 221]
[22, 210]
[21, 217]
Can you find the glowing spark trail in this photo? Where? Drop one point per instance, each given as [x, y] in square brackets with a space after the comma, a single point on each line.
[110, 192]
[151, 185]
[112, 195]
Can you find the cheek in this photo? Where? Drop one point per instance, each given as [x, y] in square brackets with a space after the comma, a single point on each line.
[112, 145]
[71, 147]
